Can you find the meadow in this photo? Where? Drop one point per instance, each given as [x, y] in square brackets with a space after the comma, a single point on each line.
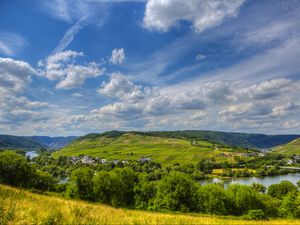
[134, 146]
[22, 207]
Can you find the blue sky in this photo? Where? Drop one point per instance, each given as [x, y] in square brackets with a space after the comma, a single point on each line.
[74, 67]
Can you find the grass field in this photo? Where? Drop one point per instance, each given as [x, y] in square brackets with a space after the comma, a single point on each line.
[21, 207]
[134, 146]
[290, 148]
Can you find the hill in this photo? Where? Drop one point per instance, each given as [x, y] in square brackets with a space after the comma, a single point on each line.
[54, 142]
[33, 142]
[245, 140]
[135, 145]
[21, 207]
[290, 148]
[17, 142]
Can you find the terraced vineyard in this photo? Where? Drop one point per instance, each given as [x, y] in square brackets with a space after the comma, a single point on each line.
[162, 149]
[290, 148]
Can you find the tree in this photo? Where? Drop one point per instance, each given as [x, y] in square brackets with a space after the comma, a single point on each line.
[82, 178]
[290, 206]
[177, 192]
[258, 187]
[205, 166]
[145, 192]
[115, 187]
[212, 199]
[281, 189]
[242, 198]
[15, 170]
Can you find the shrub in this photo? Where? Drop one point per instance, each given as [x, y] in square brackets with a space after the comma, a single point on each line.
[255, 214]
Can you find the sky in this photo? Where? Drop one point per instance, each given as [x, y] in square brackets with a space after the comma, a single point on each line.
[71, 67]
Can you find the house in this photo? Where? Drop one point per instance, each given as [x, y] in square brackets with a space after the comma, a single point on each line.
[87, 160]
[144, 159]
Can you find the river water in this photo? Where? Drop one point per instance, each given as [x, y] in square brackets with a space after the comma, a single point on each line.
[31, 154]
[266, 181]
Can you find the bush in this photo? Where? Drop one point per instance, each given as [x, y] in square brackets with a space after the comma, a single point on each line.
[255, 214]
[212, 199]
[242, 198]
[290, 206]
[281, 189]
[177, 192]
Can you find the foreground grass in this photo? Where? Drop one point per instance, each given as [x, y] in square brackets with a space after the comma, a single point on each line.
[133, 146]
[21, 207]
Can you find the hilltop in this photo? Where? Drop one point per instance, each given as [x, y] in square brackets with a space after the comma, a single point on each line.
[21, 207]
[290, 148]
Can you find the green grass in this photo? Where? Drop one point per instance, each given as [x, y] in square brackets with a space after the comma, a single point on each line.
[21, 207]
[131, 146]
[290, 148]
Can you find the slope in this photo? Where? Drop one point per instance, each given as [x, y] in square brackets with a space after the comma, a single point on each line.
[21, 207]
[133, 145]
[290, 148]
[245, 140]
[17, 142]
[54, 142]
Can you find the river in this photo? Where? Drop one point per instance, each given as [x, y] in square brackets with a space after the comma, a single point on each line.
[266, 181]
[31, 154]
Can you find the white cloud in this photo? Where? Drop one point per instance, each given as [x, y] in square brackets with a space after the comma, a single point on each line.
[286, 109]
[264, 89]
[161, 15]
[70, 35]
[11, 43]
[14, 75]
[117, 56]
[77, 74]
[61, 66]
[200, 57]
[121, 87]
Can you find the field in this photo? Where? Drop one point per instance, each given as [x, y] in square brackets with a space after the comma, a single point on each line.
[290, 148]
[133, 146]
[21, 207]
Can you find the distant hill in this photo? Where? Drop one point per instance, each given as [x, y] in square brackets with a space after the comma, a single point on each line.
[54, 142]
[17, 142]
[290, 148]
[34, 142]
[246, 140]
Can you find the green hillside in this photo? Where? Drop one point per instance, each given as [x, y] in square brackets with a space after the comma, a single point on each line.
[290, 148]
[132, 145]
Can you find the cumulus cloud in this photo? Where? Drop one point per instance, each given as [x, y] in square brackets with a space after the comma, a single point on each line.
[265, 89]
[121, 87]
[286, 109]
[14, 75]
[117, 56]
[162, 15]
[62, 66]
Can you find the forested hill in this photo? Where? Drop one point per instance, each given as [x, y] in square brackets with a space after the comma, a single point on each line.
[13, 142]
[54, 142]
[33, 142]
[245, 140]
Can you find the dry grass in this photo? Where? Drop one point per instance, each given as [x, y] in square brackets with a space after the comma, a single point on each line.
[21, 207]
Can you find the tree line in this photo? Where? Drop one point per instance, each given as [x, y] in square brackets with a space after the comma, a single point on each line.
[173, 190]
